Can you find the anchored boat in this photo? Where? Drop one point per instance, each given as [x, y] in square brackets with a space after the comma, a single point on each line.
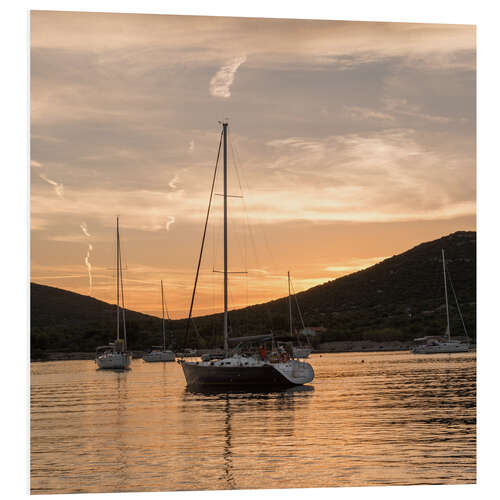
[115, 356]
[160, 353]
[246, 367]
[435, 344]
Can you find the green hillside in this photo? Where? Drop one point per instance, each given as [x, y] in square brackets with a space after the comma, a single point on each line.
[398, 299]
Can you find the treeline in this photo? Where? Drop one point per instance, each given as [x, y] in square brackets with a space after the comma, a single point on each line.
[398, 299]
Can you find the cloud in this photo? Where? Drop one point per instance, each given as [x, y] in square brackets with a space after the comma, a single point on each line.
[221, 82]
[355, 265]
[58, 188]
[35, 163]
[89, 267]
[191, 146]
[170, 221]
[83, 227]
[174, 181]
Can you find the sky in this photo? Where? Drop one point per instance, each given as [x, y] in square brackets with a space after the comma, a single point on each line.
[349, 142]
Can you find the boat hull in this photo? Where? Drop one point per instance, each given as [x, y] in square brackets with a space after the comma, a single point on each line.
[263, 376]
[159, 356]
[441, 348]
[114, 361]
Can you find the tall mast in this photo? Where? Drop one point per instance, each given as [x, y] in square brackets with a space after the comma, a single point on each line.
[290, 305]
[123, 305]
[117, 281]
[224, 133]
[446, 298]
[163, 316]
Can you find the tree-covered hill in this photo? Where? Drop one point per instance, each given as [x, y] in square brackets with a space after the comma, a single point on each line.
[397, 299]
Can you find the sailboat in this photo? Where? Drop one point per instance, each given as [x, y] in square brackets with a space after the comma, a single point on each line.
[299, 351]
[243, 369]
[160, 353]
[115, 356]
[442, 344]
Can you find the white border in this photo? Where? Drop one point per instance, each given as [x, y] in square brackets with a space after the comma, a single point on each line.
[14, 245]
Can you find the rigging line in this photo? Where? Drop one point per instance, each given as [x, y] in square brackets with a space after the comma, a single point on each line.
[300, 312]
[456, 301]
[123, 302]
[203, 240]
[242, 238]
[250, 231]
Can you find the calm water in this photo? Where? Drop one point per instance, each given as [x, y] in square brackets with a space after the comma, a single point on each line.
[394, 419]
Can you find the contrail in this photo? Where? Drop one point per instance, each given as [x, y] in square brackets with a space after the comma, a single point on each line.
[89, 267]
[83, 227]
[58, 188]
[170, 221]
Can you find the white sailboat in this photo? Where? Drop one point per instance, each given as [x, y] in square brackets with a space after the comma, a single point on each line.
[442, 344]
[115, 356]
[160, 353]
[299, 351]
[250, 370]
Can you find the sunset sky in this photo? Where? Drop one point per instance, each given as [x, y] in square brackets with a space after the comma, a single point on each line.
[353, 141]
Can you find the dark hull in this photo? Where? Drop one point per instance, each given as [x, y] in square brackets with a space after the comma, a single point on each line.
[254, 377]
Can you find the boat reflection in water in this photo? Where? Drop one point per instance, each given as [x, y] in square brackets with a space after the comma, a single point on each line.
[255, 408]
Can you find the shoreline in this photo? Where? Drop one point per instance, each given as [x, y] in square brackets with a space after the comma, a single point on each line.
[354, 346]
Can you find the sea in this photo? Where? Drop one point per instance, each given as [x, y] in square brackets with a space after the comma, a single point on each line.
[367, 419]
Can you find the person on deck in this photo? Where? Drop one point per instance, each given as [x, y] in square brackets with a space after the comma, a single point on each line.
[262, 352]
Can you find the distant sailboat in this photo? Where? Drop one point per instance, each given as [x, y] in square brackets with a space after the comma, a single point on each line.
[250, 369]
[115, 355]
[299, 351]
[160, 353]
[442, 344]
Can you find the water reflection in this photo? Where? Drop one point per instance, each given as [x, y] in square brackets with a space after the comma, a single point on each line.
[394, 419]
[270, 413]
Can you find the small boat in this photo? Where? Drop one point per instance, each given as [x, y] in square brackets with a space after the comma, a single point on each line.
[115, 356]
[160, 353]
[299, 351]
[434, 344]
[251, 369]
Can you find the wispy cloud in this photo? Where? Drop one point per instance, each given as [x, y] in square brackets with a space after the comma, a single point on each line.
[221, 82]
[58, 188]
[89, 267]
[171, 220]
[35, 163]
[83, 227]
[354, 265]
[191, 146]
[173, 183]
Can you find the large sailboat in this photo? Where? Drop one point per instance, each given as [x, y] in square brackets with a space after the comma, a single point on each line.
[299, 351]
[442, 344]
[115, 356]
[243, 368]
[160, 353]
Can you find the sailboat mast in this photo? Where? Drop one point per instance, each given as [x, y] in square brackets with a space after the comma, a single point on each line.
[290, 305]
[224, 129]
[117, 280]
[446, 297]
[163, 315]
[123, 305]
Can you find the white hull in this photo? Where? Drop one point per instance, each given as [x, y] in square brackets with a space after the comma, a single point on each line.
[158, 356]
[114, 361]
[302, 352]
[237, 371]
[442, 347]
[297, 372]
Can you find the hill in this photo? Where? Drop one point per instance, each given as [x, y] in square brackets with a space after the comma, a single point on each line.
[397, 299]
